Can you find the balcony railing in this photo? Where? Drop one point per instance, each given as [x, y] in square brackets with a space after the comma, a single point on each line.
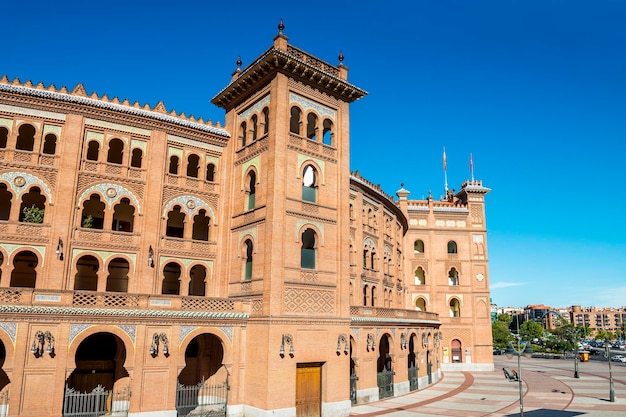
[391, 313]
[116, 300]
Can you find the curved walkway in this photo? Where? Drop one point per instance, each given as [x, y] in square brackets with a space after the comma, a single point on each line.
[549, 387]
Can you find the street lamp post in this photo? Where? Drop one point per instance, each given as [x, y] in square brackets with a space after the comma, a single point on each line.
[523, 348]
[607, 345]
[575, 339]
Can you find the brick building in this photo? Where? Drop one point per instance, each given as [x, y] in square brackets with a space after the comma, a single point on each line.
[171, 266]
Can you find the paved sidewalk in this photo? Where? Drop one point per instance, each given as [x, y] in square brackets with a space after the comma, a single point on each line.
[549, 387]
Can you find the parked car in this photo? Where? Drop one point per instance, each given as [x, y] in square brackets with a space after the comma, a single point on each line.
[619, 358]
[498, 352]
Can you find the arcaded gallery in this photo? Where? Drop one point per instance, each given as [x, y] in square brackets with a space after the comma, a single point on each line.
[157, 265]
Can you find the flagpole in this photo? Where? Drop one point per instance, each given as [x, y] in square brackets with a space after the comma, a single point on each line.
[445, 173]
[471, 167]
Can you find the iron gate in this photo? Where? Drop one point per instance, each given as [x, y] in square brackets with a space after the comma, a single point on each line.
[96, 403]
[413, 379]
[4, 404]
[202, 400]
[385, 384]
[353, 379]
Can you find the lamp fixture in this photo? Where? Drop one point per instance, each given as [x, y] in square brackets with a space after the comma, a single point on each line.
[287, 339]
[404, 342]
[59, 250]
[151, 257]
[342, 339]
[41, 338]
[158, 339]
[371, 344]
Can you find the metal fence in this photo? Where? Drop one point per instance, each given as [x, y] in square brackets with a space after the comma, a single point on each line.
[4, 404]
[96, 403]
[353, 379]
[202, 399]
[413, 379]
[385, 383]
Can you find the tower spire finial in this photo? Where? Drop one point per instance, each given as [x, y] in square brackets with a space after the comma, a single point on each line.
[281, 26]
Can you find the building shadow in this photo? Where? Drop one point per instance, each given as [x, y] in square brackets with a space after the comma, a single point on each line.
[542, 412]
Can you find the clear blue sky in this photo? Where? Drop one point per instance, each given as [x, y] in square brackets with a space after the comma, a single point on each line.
[535, 89]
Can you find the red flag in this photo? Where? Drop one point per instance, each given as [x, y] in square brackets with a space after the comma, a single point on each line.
[471, 164]
[444, 159]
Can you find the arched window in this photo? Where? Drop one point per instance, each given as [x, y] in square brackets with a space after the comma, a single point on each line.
[117, 280]
[247, 273]
[365, 294]
[4, 136]
[266, 120]
[453, 277]
[370, 217]
[418, 246]
[251, 189]
[210, 172]
[200, 226]
[33, 206]
[351, 211]
[50, 144]
[197, 281]
[309, 184]
[455, 308]
[420, 304]
[93, 150]
[366, 257]
[420, 276]
[311, 126]
[175, 223]
[328, 134]
[86, 278]
[136, 158]
[5, 202]
[171, 279]
[452, 247]
[244, 133]
[373, 297]
[173, 165]
[116, 151]
[25, 138]
[373, 259]
[123, 216]
[255, 125]
[294, 121]
[193, 165]
[307, 251]
[24, 273]
[93, 213]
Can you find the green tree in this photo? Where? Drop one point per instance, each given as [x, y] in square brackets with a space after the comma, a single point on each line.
[531, 330]
[32, 214]
[505, 318]
[500, 334]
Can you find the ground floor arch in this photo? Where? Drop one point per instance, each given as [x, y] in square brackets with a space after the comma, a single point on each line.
[202, 385]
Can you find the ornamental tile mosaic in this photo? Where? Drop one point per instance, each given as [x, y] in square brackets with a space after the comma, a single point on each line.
[76, 329]
[308, 105]
[20, 182]
[10, 328]
[130, 331]
[111, 194]
[255, 107]
[228, 331]
[184, 331]
[190, 205]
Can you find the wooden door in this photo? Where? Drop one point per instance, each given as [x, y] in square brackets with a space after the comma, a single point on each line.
[309, 390]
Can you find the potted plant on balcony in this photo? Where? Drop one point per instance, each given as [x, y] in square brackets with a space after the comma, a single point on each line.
[32, 214]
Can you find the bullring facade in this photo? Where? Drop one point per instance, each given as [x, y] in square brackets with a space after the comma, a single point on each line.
[170, 266]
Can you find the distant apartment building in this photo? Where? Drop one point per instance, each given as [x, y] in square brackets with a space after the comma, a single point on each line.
[609, 319]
